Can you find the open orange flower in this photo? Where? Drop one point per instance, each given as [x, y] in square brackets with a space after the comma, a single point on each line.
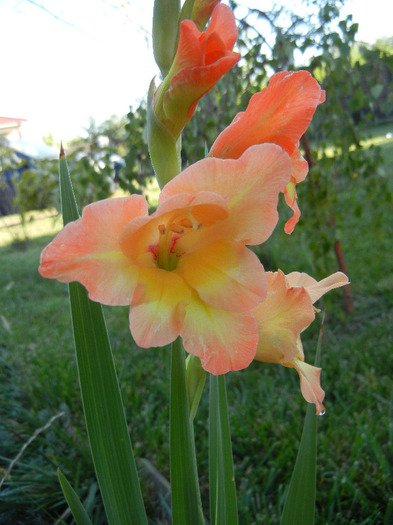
[200, 61]
[185, 270]
[285, 313]
[280, 114]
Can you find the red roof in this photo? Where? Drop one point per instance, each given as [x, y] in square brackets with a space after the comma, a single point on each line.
[9, 122]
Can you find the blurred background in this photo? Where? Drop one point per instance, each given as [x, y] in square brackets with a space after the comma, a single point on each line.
[78, 73]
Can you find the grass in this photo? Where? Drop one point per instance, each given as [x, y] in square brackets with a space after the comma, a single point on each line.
[38, 380]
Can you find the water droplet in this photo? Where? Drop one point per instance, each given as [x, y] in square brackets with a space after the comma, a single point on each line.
[322, 412]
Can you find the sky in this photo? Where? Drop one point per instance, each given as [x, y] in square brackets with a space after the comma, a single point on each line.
[94, 59]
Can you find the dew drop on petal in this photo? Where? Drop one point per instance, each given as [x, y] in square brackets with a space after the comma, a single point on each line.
[322, 412]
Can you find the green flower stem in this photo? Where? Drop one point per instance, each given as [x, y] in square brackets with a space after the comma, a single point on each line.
[186, 499]
[164, 148]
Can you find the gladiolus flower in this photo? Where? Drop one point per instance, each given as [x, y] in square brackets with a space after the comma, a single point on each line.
[185, 270]
[285, 313]
[279, 114]
[200, 61]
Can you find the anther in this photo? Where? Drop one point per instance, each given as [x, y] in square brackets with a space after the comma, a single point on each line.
[176, 228]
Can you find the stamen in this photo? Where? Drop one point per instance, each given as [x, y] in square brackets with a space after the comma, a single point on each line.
[176, 228]
[186, 222]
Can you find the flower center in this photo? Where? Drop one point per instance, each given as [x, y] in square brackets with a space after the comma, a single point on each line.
[166, 254]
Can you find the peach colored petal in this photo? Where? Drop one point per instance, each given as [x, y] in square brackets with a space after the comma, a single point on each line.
[157, 308]
[251, 185]
[225, 275]
[314, 288]
[88, 251]
[310, 384]
[185, 200]
[291, 200]
[223, 340]
[281, 318]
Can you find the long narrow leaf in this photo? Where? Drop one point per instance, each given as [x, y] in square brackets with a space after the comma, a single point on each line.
[186, 500]
[78, 510]
[300, 502]
[109, 439]
[223, 506]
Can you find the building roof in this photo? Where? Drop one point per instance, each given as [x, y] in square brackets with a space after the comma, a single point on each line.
[9, 124]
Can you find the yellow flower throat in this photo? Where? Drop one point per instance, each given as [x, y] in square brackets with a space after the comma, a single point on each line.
[167, 256]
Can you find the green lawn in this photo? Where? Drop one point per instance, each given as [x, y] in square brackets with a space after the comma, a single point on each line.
[38, 380]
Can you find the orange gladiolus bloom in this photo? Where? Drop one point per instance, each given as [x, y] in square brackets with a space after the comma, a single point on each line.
[285, 313]
[280, 114]
[200, 61]
[185, 270]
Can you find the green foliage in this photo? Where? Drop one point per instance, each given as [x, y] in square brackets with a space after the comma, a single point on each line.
[9, 161]
[38, 187]
[340, 160]
[93, 159]
[138, 167]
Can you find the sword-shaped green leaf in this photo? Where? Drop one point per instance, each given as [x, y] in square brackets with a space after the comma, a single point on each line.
[223, 506]
[109, 438]
[77, 509]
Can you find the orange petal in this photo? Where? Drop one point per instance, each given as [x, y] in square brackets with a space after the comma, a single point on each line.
[190, 84]
[279, 114]
[223, 23]
[225, 275]
[189, 53]
[223, 340]
[157, 308]
[251, 185]
[310, 384]
[314, 288]
[88, 251]
[281, 318]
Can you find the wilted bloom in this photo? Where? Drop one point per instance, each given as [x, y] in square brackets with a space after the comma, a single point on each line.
[280, 114]
[285, 313]
[185, 270]
[200, 61]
